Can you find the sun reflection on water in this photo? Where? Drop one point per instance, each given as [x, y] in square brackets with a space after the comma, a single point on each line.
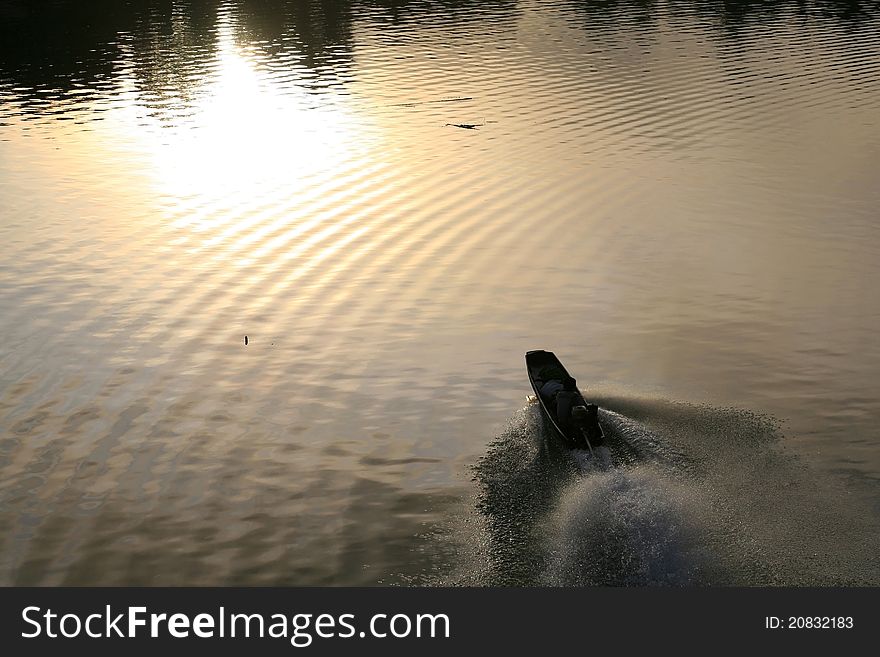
[248, 147]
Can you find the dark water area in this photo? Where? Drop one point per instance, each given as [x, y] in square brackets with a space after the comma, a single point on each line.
[679, 199]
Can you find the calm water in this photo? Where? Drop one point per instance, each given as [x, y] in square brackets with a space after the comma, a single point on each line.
[680, 199]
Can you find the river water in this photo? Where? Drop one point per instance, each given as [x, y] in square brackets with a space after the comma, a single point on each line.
[393, 201]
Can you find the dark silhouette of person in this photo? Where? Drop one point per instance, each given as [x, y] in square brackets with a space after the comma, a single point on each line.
[566, 398]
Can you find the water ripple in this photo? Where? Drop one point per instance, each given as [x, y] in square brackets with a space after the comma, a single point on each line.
[682, 196]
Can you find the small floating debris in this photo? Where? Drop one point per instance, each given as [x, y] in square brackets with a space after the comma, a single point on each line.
[245, 341]
[466, 126]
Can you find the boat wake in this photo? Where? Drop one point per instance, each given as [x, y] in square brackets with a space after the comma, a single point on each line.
[700, 496]
[625, 527]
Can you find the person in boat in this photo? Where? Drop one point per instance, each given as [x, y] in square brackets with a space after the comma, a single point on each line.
[559, 396]
[550, 388]
[565, 401]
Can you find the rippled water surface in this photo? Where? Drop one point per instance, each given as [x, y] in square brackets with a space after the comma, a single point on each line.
[394, 200]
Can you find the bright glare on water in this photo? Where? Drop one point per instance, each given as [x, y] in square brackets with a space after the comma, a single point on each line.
[394, 200]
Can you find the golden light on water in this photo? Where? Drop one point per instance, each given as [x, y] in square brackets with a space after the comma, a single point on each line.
[247, 144]
[679, 210]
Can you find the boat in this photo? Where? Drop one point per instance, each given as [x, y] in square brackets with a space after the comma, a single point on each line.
[582, 429]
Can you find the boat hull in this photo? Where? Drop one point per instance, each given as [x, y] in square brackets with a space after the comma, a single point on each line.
[543, 366]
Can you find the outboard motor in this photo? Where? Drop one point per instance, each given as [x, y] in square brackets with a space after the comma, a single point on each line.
[587, 419]
[597, 437]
